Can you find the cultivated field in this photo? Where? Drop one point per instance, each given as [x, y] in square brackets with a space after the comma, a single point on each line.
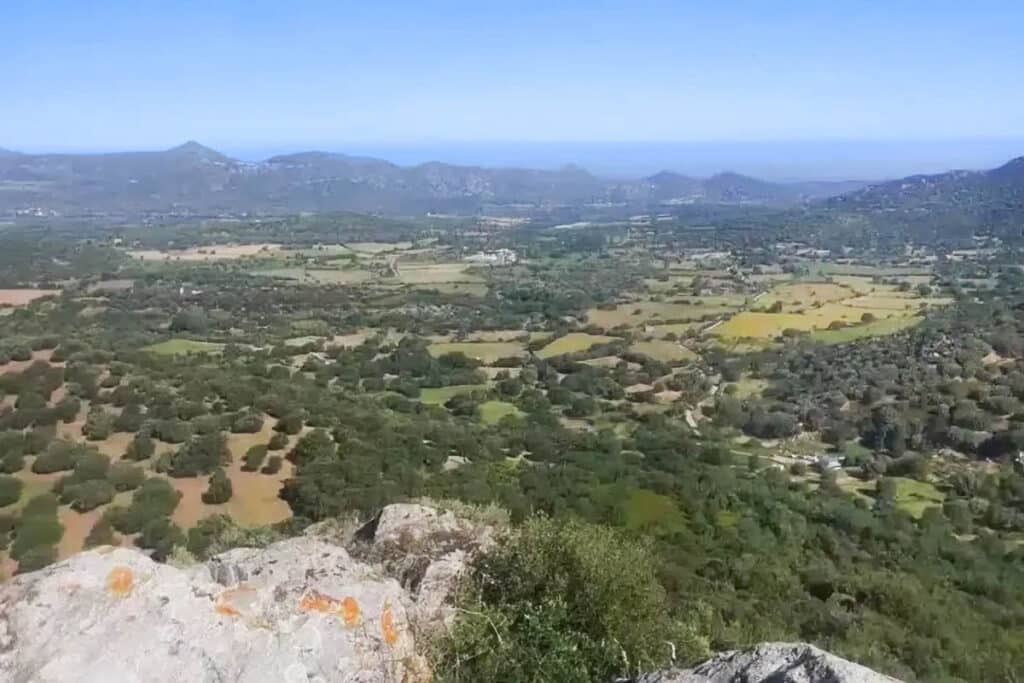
[486, 352]
[21, 297]
[573, 342]
[654, 312]
[183, 346]
[663, 350]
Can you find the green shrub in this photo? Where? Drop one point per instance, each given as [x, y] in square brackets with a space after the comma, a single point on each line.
[277, 442]
[564, 601]
[219, 489]
[218, 533]
[273, 465]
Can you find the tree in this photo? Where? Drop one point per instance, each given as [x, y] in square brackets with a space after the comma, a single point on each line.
[254, 458]
[140, 448]
[201, 455]
[160, 535]
[277, 442]
[247, 423]
[125, 476]
[37, 557]
[59, 456]
[885, 489]
[102, 533]
[273, 465]
[10, 490]
[289, 424]
[219, 489]
[98, 424]
[315, 444]
[88, 495]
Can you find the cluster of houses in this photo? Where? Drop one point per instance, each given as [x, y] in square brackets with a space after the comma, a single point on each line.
[498, 257]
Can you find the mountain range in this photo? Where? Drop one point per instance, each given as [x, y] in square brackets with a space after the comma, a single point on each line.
[192, 179]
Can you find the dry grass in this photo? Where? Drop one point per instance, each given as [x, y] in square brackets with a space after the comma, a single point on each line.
[22, 297]
[435, 273]
[486, 352]
[663, 350]
[648, 312]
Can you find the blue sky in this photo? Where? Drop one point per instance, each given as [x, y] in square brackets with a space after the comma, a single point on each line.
[253, 74]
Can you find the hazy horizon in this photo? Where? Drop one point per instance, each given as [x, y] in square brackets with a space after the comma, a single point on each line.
[780, 160]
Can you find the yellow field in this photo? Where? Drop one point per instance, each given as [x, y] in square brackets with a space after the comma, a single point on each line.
[571, 343]
[804, 294]
[663, 350]
[647, 312]
[435, 273]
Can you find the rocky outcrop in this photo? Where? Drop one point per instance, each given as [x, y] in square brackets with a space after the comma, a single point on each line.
[772, 663]
[304, 609]
[426, 550]
[299, 610]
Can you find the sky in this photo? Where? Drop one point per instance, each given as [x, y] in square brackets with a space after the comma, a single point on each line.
[251, 75]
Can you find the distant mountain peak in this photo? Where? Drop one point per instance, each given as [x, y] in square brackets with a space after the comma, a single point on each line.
[197, 150]
[8, 152]
[1013, 167]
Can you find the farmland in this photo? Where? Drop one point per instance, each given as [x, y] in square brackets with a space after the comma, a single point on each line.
[751, 403]
[21, 297]
[173, 347]
[571, 343]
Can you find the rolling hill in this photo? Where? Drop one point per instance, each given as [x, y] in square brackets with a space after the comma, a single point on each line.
[191, 180]
[955, 204]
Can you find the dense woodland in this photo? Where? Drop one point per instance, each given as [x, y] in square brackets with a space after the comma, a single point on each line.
[708, 534]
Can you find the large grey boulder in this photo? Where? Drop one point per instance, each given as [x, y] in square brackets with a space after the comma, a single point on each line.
[298, 610]
[427, 550]
[772, 663]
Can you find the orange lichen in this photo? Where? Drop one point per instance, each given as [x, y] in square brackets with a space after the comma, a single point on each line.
[387, 626]
[318, 602]
[350, 611]
[226, 609]
[120, 581]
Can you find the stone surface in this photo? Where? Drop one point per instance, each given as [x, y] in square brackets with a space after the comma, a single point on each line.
[299, 610]
[427, 550]
[772, 663]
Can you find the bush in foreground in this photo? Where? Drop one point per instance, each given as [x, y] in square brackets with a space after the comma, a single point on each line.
[564, 601]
